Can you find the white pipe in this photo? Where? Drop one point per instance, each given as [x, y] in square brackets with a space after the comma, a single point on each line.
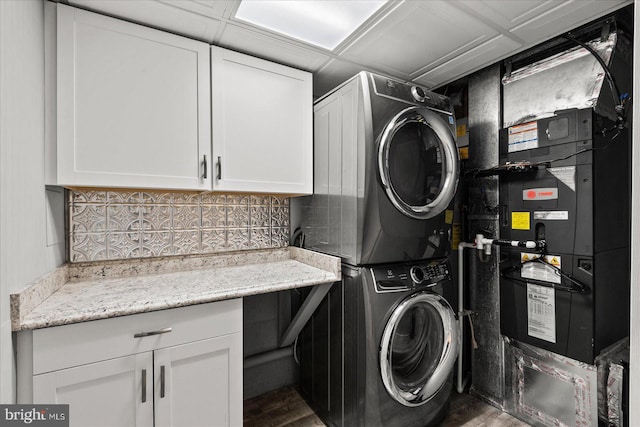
[461, 384]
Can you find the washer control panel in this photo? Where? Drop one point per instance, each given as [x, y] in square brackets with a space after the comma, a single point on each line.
[410, 275]
[431, 273]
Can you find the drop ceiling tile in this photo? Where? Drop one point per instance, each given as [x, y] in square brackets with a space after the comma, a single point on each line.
[270, 47]
[417, 34]
[153, 13]
[566, 16]
[506, 14]
[468, 62]
[209, 8]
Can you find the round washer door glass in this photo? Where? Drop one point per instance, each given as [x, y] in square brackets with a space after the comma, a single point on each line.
[418, 163]
[418, 349]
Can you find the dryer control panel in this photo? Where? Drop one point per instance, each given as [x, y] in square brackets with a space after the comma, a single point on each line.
[410, 275]
[411, 94]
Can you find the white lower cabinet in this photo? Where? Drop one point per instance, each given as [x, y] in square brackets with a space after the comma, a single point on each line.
[184, 368]
[199, 380]
[108, 393]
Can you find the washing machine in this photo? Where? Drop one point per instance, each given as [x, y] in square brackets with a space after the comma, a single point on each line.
[385, 173]
[380, 349]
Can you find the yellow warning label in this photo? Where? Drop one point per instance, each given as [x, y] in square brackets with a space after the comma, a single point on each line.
[456, 234]
[464, 153]
[461, 130]
[525, 257]
[520, 221]
[555, 261]
[448, 216]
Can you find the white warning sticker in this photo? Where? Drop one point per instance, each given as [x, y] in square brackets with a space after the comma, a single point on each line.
[541, 312]
[523, 137]
[538, 270]
[551, 215]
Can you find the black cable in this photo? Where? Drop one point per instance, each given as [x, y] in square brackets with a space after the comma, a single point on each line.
[612, 84]
[585, 150]
[529, 167]
[619, 105]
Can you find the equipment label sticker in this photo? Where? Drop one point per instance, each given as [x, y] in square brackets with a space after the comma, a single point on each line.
[551, 215]
[523, 137]
[541, 312]
[520, 221]
[538, 270]
[540, 194]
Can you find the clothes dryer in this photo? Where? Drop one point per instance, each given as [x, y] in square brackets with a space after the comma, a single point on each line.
[385, 173]
[381, 348]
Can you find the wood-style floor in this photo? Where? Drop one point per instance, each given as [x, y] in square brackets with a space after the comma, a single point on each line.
[285, 408]
[279, 408]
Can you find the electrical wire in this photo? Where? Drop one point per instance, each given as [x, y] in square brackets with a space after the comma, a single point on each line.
[521, 167]
[612, 83]
[618, 100]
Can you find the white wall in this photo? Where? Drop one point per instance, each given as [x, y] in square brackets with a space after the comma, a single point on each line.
[634, 391]
[31, 217]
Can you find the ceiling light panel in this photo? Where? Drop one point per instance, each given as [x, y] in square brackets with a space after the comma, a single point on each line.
[324, 23]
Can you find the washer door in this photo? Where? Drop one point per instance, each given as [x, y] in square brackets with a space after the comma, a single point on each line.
[418, 163]
[418, 349]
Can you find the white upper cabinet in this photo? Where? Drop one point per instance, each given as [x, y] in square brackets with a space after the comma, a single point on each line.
[133, 105]
[262, 125]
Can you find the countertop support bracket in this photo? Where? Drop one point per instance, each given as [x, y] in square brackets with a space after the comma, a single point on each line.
[315, 297]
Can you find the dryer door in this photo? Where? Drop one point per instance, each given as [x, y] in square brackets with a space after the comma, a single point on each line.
[418, 349]
[418, 163]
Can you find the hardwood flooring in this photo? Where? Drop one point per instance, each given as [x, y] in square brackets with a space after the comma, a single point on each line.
[285, 408]
[279, 408]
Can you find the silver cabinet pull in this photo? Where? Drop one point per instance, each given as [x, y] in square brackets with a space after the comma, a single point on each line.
[144, 385]
[204, 175]
[148, 334]
[219, 167]
[161, 381]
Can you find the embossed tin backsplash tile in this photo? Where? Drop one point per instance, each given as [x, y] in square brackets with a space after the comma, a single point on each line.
[106, 225]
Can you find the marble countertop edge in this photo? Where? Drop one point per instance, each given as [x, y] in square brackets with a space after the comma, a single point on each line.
[50, 302]
[40, 323]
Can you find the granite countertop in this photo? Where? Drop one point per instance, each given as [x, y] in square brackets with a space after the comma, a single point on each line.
[90, 291]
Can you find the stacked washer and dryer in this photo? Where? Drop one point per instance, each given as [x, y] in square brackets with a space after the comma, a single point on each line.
[381, 347]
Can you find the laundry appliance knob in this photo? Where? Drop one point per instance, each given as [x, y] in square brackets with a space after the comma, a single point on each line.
[418, 93]
[417, 274]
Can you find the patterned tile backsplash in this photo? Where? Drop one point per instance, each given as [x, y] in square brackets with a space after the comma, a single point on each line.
[106, 225]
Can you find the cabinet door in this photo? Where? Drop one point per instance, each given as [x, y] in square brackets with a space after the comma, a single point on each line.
[133, 105]
[262, 125]
[200, 383]
[116, 392]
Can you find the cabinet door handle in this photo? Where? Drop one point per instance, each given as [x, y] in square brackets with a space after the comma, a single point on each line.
[219, 167]
[162, 382]
[148, 334]
[144, 385]
[204, 175]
